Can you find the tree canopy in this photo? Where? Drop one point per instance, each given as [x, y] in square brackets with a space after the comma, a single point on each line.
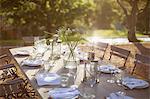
[131, 9]
[35, 16]
[32, 17]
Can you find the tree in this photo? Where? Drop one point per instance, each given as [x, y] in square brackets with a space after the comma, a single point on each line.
[143, 20]
[107, 14]
[131, 9]
[36, 16]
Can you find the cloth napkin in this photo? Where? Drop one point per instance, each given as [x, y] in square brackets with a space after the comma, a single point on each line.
[48, 79]
[109, 69]
[118, 96]
[64, 93]
[22, 53]
[31, 62]
[134, 83]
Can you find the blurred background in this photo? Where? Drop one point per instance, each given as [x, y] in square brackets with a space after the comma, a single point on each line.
[20, 20]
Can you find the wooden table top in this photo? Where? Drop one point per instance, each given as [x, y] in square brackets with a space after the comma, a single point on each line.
[101, 90]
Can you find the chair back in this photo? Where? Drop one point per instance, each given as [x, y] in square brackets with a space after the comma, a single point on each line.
[102, 48]
[12, 88]
[4, 59]
[119, 52]
[8, 71]
[142, 66]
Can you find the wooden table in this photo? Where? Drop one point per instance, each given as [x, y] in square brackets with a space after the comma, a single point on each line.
[101, 90]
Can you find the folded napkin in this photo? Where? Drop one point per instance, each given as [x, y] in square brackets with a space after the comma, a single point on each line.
[22, 53]
[64, 93]
[134, 83]
[109, 69]
[31, 62]
[48, 79]
[118, 96]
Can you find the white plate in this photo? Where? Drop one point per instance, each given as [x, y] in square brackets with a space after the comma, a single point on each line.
[134, 83]
[64, 93]
[109, 69]
[48, 79]
[32, 63]
[22, 53]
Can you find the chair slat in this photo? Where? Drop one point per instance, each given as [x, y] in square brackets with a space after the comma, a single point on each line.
[119, 52]
[142, 58]
[102, 47]
[2, 56]
[7, 66]
[141, 62]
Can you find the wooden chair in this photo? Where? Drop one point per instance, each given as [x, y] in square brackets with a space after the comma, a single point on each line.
[10, 81]
[102, 48]
[8, 71]
[119, 52]
[13, 89]
[142, 66]
[4, 59]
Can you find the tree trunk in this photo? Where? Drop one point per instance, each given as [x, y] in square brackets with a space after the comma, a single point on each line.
[131, 23]
[147, 16]
[132, 36]
[131, 26]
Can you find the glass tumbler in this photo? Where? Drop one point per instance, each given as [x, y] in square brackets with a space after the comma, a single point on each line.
[64, 80]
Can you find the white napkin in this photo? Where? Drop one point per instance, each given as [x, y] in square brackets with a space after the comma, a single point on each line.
[118, 96]
[134, 83]
[64, 93]
[22, 53]
[109, 69]
[48, 79]
[31, 62]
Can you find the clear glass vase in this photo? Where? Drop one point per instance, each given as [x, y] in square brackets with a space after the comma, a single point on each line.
[70, 60]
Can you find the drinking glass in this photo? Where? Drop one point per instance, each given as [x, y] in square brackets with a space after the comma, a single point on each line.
[111, 79]
[64, 80]
[87, 92]
[47, 66]
[40, 46]
[119, 76]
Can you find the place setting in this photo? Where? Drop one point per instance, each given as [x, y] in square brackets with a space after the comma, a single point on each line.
[35, 59]
[134, 83]
[32, 63]
[129, 83]
[64, 89]
[64, 93]
[118, 95]
[108, 69]
[21, 53]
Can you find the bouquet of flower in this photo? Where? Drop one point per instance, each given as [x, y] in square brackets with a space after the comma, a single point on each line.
[71, 37]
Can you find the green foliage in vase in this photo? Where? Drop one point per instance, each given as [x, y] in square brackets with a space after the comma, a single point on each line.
[68, 35]
[71, 37]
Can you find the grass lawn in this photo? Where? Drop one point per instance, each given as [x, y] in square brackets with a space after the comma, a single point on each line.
[95, 33]
[11, 42]
[110, 34]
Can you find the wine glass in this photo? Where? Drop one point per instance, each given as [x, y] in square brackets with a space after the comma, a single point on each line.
[87, 92]
[40, 47]
[47, 66]
[112, 73]
[64, 80]
[119, 76]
